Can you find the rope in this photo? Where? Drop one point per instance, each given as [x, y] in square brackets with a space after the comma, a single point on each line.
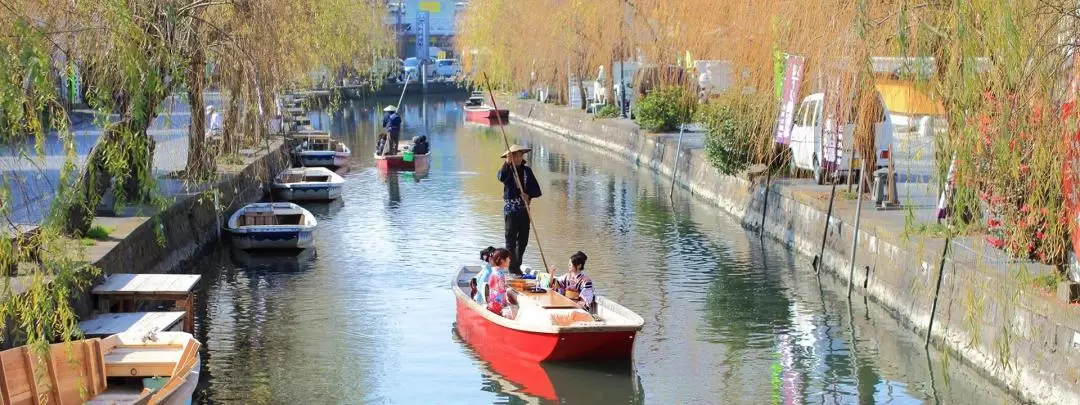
[517, 179]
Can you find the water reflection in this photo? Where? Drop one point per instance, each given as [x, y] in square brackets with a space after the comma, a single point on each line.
[729, 318]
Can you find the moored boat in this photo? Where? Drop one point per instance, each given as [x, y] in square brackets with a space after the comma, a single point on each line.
[272, 226]
[547, 326]
[128, 368]
[307, 184]
[316, 148]
[477, 111]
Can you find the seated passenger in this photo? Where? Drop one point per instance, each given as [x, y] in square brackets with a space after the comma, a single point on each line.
[380, 148]
[479, 284]
[420, 145]
[497, 299]
[575, 285]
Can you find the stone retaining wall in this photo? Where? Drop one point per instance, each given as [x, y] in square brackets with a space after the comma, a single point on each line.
[1026, 340]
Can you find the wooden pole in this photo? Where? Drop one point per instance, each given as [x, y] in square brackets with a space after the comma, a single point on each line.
[675, 171]
[517, 179]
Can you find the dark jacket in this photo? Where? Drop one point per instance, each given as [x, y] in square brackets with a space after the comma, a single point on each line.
[392, 122]
[510, 189]
[421, 147]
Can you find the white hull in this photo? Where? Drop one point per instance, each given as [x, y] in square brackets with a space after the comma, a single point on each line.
[307, 184]
[266, 233]
[324, 158]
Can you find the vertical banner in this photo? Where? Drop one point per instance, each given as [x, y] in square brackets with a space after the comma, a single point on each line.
[574, 92]
[792, 78]
[836, 114]
[422, 41]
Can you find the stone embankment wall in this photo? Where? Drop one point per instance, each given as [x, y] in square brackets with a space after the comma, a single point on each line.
[1026, 340]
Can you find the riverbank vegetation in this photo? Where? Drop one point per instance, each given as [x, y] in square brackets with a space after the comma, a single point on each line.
[1001, 71]
[128, 58]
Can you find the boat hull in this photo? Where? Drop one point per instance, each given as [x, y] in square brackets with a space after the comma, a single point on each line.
[323, 158]
[255, 238]
[307, 192]
[486, 335]
[397, 162]
[487, 115]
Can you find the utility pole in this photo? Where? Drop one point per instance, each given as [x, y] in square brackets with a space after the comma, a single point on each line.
[622, 65]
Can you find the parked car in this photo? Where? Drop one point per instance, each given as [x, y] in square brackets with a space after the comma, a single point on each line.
[810, 149]
[412, 67]
[447, 68]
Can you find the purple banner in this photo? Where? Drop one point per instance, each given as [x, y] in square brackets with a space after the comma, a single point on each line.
[793, 71]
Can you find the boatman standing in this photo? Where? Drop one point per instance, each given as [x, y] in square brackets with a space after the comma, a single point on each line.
[392, 123]
[515, 213]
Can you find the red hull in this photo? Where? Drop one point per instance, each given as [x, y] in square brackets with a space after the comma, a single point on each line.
[396, 162]
[486, 335]
[487, 115]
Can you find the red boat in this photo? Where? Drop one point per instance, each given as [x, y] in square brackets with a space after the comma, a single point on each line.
[397, 162]
[547, 326]
[487, 115]
[477, 111]
[572, 383]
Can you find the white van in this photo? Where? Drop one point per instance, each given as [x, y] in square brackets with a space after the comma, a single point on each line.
[809, 149]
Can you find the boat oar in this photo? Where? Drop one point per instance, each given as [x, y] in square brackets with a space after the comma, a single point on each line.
[517, 179]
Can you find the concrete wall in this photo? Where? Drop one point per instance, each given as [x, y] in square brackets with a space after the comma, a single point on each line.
[1015, 335]
[192, 221]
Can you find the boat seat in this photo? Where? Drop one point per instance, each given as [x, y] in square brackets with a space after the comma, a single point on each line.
[292, 178]
[317, 178]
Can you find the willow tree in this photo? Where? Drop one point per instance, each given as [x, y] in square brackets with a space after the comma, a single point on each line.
[133, 55]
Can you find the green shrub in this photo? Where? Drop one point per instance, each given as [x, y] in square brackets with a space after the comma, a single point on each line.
[664, 109]
[98, 232]
[740, 130]
[607, 111]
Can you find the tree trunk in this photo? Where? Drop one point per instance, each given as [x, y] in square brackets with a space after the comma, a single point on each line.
[232, 120]
[198, 160]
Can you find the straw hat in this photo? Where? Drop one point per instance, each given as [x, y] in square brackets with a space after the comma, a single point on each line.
[390, 108]
[517, 148]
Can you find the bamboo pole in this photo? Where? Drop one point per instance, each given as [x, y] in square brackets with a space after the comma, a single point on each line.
[675, 170]
[517, 179]
[855, 236]
[937, 291]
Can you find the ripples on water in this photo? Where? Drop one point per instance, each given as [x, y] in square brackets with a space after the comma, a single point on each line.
[366, 316]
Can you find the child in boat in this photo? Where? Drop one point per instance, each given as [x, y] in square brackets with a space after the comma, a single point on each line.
[380, 148]
[497, 300]
[575, 285]
[479, 284]
[420, 145]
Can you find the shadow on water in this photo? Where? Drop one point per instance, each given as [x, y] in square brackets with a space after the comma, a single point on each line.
[522, 382]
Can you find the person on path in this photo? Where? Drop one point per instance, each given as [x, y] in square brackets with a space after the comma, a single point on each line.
[515, 213]
[392, 123]
[213, 122]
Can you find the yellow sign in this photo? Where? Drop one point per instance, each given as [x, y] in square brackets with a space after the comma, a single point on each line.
[430, 6]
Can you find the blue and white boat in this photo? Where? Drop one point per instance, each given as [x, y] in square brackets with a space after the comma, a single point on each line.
[317, 149]
[281, 225]
[307, 184]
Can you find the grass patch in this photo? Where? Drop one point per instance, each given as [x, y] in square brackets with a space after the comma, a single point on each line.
[98, 232]
[87, 242]
[1047, 282]
[607, 111]
[942, 230]
[231, 159]
[848, 195]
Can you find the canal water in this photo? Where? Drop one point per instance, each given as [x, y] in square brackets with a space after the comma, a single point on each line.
[367, 316]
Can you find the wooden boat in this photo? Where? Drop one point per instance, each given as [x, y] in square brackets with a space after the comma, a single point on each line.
[316, 148]
[129, 368]
[272, 226]
[307, 184]
[571, 383]
[547, 327]
[398, 161]
[477, 111]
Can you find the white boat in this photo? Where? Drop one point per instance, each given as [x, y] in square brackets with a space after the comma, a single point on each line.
[165, 367]
[316, 148]
[307, 184]
[272, 226]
